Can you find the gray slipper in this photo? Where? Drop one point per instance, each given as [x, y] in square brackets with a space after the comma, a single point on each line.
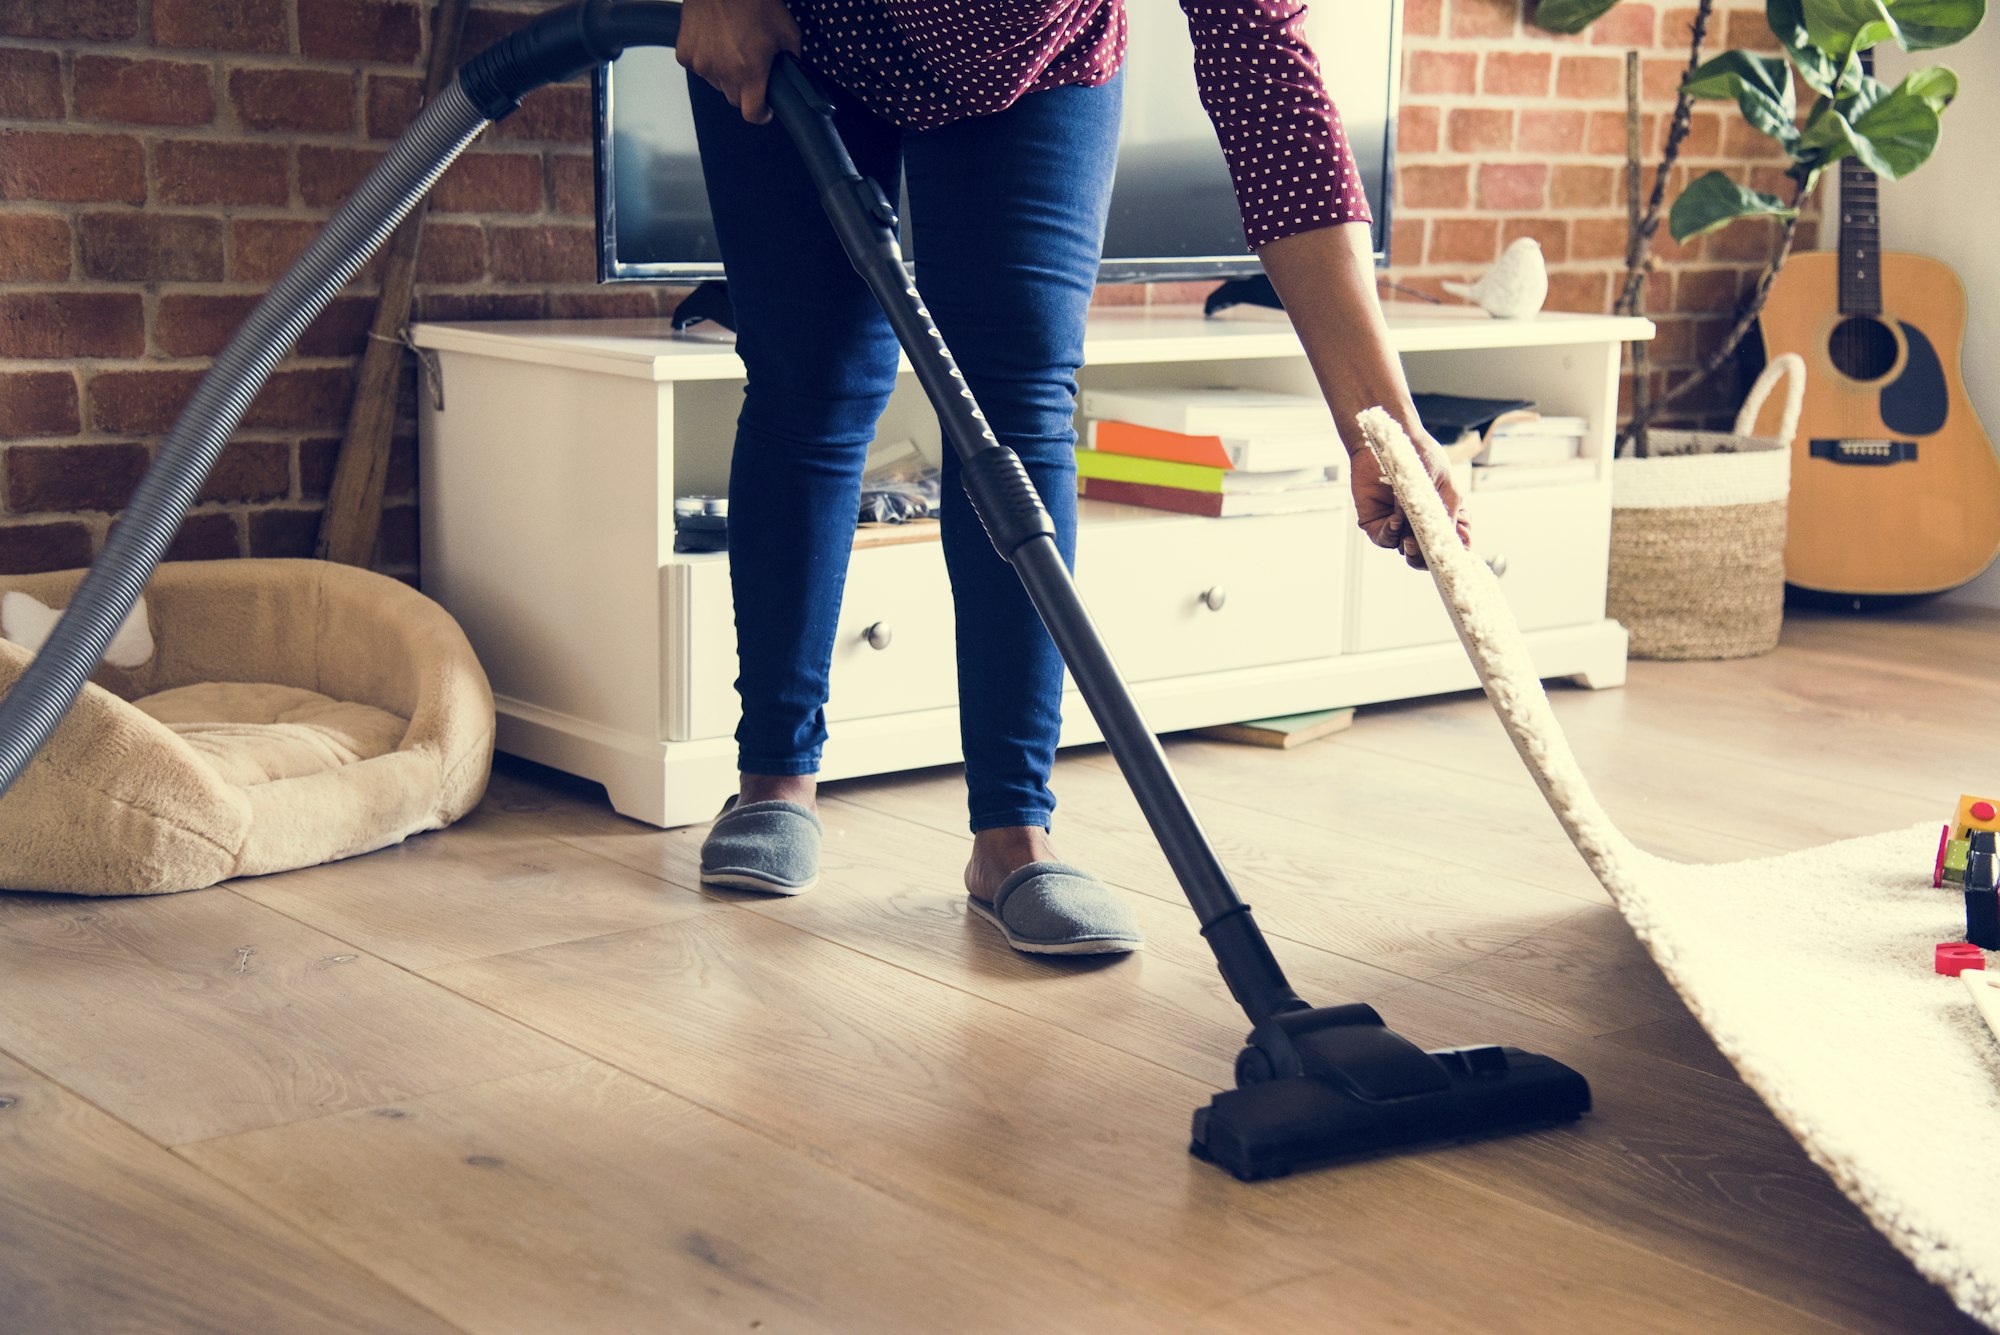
[769, 846]
[1052, 908]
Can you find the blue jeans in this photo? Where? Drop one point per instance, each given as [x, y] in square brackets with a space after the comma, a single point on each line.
[1007, 220]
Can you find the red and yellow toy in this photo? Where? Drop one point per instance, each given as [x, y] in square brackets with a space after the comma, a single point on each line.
[1974, 814]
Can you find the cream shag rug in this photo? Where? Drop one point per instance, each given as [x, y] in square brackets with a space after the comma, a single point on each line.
[1811, 971]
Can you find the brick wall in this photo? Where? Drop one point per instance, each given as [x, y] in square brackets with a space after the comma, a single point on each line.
[161, 161]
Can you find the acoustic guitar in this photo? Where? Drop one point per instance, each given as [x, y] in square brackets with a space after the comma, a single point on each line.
[1895, 487]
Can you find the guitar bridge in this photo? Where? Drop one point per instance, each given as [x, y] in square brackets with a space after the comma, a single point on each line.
[1866, 452]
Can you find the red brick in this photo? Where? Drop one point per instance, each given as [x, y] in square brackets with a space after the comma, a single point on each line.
[635, 302]
[197, 324]
[1673, 339]
[1597, 78]
[1425, 186]
[210, 171]
[392, 103]
[1551, 131]
[1417, 129]
[263, 248]
[1485, 18]
[1517, 73]
[491, 183]
[1479, 130]
[484, 27]
[1406, 241]
[284, 532]
[559, 114]
[205, 537]
[452, 253]
[317, 456]
[572, 184]
[1598, 239]
[249, 470]
[150, 247]
[546, 254]
[1772, 181]
[360, 30]
[398, 537]
[1464, 241]
[27, 549]
[1704, 136]
[71, 20]
[72, 168]
[1745, 239]
[30, 84]
[1514, 186]
[1677, 29]
[1443, 72]
[148, 401]
[1627, 24]
[1552, 233]
[1423, 18]
[1582, 187]
[328, 175]
[1590, 292]
[40, 325]
[221, 25]
[1607, 132]
[38, 403]
[1741, 140]
[34, 247]
[303, 101]
[73, 477]
[478, 306]
[144, 92]
[1660, 80]
[1749, 31]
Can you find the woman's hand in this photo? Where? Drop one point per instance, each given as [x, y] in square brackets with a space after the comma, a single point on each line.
[1382, 519]
[732, 44]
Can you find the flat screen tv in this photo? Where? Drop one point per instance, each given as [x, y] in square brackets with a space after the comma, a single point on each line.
[1173, 213]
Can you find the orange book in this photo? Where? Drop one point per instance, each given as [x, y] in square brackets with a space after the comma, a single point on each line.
[1152, 443]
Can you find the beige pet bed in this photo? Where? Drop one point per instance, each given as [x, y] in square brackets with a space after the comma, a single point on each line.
[269, 715]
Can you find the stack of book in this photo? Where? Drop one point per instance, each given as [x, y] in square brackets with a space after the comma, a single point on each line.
[1218, 452]
[1525, 449]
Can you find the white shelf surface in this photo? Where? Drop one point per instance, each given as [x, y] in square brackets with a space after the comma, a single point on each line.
[651, 350]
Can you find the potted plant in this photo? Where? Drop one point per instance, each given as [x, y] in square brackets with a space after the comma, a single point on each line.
[1697, 567]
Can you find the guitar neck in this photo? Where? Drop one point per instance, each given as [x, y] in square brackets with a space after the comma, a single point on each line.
[1860, 232]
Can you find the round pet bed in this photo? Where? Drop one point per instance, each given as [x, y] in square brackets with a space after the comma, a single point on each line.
[267, 715]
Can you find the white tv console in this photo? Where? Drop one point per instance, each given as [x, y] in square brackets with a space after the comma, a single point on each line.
[547, 486]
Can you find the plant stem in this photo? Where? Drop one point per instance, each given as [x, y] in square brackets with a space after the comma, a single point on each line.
[1713, 362]
[1633, 300]
[1638, 260]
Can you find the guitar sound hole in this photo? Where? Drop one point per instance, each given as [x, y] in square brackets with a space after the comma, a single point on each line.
[1862, 348]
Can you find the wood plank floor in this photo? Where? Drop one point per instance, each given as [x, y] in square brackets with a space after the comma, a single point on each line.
[525, 1076]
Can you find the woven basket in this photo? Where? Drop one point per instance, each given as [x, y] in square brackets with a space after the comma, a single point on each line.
[1698, 533]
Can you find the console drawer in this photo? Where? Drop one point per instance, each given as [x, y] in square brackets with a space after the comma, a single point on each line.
[900, 593]
[1181, 597]
[1548, 544]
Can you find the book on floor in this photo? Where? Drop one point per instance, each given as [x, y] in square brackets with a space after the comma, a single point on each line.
[1211, 412]
[1283, 733]
[1248, 454]
[1216, 505]
[1196, 477]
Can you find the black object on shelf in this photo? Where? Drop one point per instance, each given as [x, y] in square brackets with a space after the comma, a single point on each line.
[1255, 290]
[709, 301]
[701, 524]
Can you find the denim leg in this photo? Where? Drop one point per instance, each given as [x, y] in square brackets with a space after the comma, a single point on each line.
[821, 363]
[1007, 215]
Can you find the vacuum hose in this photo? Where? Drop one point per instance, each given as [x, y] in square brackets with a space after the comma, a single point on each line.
[557, 46]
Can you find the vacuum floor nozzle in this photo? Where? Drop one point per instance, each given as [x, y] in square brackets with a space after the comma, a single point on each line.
[1362, 1090]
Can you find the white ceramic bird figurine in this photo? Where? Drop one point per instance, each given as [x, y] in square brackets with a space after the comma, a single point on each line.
[1514, 288]
[27, 622]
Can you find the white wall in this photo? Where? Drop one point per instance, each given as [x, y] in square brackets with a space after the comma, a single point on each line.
[1948, 208]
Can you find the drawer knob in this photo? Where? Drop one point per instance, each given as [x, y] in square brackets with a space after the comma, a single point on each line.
[1214, 598]
[878, 635]
[1497, 563]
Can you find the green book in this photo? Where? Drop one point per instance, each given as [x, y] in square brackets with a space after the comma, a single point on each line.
[1193, 477]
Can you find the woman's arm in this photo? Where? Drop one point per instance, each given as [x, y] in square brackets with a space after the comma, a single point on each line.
[1326, 278]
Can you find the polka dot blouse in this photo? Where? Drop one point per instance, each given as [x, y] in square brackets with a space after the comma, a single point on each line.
[926, 63]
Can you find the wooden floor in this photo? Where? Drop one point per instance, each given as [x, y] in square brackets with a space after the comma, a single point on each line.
[522, 1075]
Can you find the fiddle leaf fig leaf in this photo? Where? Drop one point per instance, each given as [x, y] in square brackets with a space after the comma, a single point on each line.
[1714, 201]
[1571, 15]
[1761, 85]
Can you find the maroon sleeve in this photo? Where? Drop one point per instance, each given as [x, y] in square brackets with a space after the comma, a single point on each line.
[1280, 133]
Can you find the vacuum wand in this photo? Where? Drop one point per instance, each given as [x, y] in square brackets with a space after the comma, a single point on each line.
[1315, 1084]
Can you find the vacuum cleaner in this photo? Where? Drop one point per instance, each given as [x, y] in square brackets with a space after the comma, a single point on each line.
[1314, 1084]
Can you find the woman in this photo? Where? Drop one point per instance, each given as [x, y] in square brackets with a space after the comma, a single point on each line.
[1002, 117]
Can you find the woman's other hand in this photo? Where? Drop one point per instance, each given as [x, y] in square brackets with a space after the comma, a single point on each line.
[733, 44]
[1382, 519]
